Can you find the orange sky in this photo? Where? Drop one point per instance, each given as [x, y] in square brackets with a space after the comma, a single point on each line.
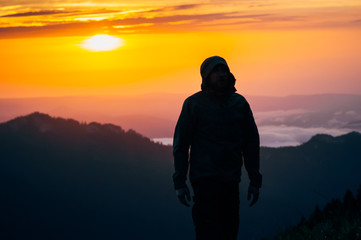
[273, 47]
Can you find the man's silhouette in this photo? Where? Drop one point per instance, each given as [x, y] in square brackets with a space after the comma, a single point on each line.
[215, 133]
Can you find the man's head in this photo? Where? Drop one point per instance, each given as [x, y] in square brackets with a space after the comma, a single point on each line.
[216, 76]
[210, 63]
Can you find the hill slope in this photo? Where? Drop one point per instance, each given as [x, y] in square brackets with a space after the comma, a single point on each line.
[298, 178]
[67, 180]
[338, 220]
[62, 179]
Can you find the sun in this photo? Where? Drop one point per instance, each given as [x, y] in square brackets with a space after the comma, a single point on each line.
[102, 42]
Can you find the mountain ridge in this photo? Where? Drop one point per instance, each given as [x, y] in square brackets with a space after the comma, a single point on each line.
[44, 122]
[155, 115]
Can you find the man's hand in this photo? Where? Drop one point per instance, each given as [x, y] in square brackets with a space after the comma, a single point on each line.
[253, 191]
[183, 195]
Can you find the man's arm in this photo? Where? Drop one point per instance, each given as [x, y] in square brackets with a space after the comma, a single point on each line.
[251, 155]
[181, 143]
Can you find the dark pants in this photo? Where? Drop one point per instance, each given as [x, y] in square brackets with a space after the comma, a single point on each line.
[216, 210]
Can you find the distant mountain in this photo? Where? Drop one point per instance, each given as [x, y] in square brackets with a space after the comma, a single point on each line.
[61, 179]
[155, 115]
[298, 178]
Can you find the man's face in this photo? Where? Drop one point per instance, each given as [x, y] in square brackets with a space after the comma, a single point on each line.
[218, 78]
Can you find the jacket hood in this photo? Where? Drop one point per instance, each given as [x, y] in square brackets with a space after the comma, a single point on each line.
[206, 68]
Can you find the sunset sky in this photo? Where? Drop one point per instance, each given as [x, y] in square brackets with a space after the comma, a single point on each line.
[273, 47]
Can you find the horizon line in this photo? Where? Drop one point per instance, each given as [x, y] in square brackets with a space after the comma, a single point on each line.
[169, 93]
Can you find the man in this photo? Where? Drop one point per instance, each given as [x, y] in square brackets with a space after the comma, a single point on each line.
[215, 134]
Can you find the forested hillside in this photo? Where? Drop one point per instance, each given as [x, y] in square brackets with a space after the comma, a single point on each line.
[62, 179]
[337, 220]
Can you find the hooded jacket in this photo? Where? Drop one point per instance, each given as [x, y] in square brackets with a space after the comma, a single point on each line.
[215, 134]
[213, 137]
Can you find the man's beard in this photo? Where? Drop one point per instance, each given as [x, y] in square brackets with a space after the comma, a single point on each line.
[220, 87]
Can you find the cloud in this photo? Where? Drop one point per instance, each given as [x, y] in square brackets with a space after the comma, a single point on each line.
[255, 19]
[273, 18]
[170, 9]
[328, 117]
[279, 115]
[36, 13]
[160, 18]
[37, 3]
[262, 5]
[351, 113]
[185, 6]
[164, 141]
[280, 136]
[66, 28]
[202, 17]
[9, 7]
[63, 12]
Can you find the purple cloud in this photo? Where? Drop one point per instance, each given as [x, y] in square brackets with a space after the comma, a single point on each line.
[93, 26]
[37, 13]
[185, 6]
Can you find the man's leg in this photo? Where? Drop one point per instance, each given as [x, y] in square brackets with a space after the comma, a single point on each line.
[206, 210]
[229, 210]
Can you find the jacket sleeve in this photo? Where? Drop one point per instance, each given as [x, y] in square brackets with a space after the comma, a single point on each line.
[181, 143]
[251, 149]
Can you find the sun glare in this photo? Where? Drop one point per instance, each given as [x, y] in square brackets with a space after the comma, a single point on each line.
[102, 42]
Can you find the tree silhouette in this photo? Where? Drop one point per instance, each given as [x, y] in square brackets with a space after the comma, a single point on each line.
[338, 220]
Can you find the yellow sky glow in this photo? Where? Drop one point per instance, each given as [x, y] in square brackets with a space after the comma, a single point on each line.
[273, 47]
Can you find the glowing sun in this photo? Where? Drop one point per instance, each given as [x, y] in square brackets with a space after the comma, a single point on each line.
[102, 42]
